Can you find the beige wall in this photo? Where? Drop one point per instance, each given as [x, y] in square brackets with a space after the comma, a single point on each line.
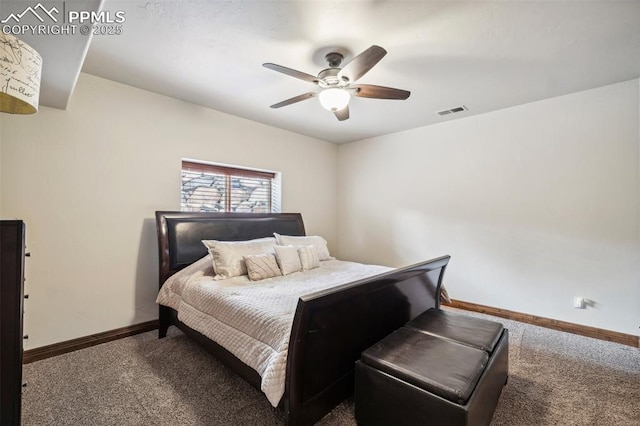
[88, 180]
[536, 204]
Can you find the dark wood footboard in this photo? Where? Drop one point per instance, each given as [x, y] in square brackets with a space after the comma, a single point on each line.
[331, 328]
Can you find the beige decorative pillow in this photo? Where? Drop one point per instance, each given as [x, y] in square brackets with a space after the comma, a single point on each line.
[288, 259]
[314, 240]
[262, 266]
[228, 256]
[444, 295]
[308, 257]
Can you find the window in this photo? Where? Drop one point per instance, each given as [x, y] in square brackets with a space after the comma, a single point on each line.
[218, 188]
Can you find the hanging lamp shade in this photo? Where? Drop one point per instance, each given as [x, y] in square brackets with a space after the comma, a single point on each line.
[20, 68]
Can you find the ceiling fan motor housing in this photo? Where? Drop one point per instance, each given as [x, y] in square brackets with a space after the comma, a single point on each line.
[328, 77]
[334, 59]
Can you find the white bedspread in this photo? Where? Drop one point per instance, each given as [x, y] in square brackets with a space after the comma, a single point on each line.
[253, 319]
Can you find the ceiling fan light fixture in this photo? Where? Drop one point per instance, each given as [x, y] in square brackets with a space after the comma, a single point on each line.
[334, 99]
[336, 84]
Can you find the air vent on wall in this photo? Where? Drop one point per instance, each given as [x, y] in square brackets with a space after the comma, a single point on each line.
[452, 110]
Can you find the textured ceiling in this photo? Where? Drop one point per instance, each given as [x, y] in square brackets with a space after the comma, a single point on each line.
[486, 55]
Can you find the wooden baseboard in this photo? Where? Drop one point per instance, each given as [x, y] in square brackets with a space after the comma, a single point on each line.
[583, 330]
[56, 349]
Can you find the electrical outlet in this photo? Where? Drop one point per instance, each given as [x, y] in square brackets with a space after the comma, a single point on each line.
[578, 302]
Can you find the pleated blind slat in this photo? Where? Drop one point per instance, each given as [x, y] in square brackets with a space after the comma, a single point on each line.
[213, 188]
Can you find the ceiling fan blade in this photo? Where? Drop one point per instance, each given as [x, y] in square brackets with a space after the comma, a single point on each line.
[291, 72]
[294, 100]
[379, 92]
[342, 114]
[362, 63]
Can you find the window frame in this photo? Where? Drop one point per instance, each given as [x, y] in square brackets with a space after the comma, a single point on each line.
[229, 172]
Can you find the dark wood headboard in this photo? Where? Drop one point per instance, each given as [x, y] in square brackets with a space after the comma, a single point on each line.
[180, 233]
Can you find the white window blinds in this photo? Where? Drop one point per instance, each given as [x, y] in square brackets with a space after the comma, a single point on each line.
[216, 188]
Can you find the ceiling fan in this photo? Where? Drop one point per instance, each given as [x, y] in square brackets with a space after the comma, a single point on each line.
[336, 84]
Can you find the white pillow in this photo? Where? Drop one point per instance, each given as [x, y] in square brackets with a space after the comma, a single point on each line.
[228, 256]
[308, 257]
[288, 259]
[262, 266]
[318, 242]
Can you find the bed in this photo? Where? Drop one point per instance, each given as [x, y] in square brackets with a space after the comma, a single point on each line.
[329, 327]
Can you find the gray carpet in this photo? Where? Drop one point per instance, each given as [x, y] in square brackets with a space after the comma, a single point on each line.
[555, 379]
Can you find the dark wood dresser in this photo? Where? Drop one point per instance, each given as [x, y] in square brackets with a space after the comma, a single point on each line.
[12, 254]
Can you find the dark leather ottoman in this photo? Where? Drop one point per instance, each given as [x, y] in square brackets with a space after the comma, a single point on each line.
[413, 377]
[475, 332]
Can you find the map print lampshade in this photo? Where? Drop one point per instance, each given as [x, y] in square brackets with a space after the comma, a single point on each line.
[20, 67]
